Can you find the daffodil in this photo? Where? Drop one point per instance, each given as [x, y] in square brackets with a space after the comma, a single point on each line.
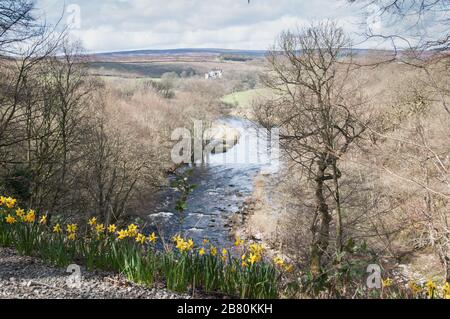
[10, 219]
[122, 234]
[30, 217]
[446, 291]
[43, 220]
[201, 251]
[99, 229]
[256, 249]
[253, 258]
[278, 261]
[112, 229]
[92, 221]
[238, 242]
[2, 200]
[415, 288]
[72, 228]
[20, 212]
[431, 288]
[152, 238]
[288, 268]
[176, 238]
[190, 244]
[183, 245]
[205, 241]
[132, 230]
[57, 228]
[10, 202]
[72, 236]
[387, 282]
[140, 239]
[224, 254]
[213, 250]
[244, 264]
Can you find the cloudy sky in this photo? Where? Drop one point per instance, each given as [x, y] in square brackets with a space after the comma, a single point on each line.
[110, 25]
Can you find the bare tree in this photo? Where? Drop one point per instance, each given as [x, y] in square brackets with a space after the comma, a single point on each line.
[317, 112]
[421, 37]
[17, 23]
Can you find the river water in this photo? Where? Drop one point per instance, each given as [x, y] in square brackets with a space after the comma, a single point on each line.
[222, 185]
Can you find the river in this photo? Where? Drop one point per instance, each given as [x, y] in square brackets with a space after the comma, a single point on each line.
[222, 185]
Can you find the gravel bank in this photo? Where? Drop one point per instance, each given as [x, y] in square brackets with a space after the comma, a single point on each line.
[23, 277]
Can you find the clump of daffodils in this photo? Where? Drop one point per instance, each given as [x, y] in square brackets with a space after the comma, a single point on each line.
[71, 231]
[183, 245]
[9, 202]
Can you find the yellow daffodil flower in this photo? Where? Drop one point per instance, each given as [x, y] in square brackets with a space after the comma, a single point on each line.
[122, 234]
[132, 230]
[238, 242]
[278, 261]
[253, 258]
[415, 288]
[43, 220]
[213, 250]
[152, 238]
[30, 217]
[10, 219]
[140, 239]
[387, 282]
[190, 244]
[99, 229]
[20, 212]
[112, 229]
[72, 228]
[202, 251]
[10, 202]
[431, 288]
[72, 236]
[446, 291]
[57, 228]
[92, 221]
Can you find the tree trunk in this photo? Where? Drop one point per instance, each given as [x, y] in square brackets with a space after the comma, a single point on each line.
[337, 198]
[322, 237]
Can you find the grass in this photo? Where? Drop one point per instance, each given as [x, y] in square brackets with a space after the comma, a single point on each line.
[244, 99]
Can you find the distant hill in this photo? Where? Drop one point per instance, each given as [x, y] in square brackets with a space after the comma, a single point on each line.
[205, 52]
[183, 52]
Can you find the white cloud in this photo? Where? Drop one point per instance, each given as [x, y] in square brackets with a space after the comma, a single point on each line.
[156, 24]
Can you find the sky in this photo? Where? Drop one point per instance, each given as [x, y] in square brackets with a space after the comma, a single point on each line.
[117, 25]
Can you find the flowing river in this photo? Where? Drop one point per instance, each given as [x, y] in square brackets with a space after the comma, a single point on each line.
[222, 185]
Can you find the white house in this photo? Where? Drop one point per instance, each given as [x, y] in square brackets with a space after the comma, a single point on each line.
[214, 74]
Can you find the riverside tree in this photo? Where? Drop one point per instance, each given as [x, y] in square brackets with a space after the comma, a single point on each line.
[318, 113]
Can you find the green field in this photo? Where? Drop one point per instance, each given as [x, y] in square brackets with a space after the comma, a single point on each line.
[244, 99]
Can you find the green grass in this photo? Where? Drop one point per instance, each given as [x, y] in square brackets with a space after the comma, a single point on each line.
[244, 99]
[127, 79]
